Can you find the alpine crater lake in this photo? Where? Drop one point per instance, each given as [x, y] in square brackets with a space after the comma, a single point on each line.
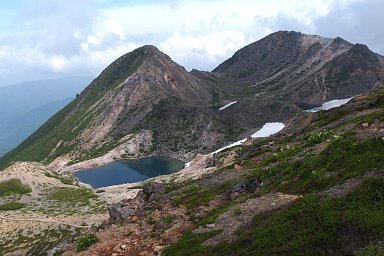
[128, 171]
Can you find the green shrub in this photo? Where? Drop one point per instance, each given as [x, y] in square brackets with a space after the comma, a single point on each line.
[86, 240]
[370, 250]
[194, 196]
[11, 206]
[13, 186]
[168, 219]
[58, 252]
[237, 211]
[72, 196]
[316, 138]
[151, 220]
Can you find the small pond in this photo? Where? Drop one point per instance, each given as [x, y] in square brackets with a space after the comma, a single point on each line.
[128, 171]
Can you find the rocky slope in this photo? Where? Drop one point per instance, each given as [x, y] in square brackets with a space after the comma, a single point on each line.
[142, 94]
[146, 104]
[314, 189]
[306, 69]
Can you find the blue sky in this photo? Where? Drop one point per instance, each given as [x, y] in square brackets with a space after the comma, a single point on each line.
[8, 13]
[41, 39]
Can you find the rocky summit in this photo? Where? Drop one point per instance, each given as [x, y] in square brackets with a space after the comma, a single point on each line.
[304, 69]
[315, 188]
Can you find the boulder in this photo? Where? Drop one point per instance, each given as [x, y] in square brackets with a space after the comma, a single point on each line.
[150, 190]
[158, 249]
[134, 207]
[124, 247]
[65, 245]
[114, 211]
[211, 225]
[210, 162]
[253, 184]
[233, 196]
[243, 186]
[126, 208]
[238, 167]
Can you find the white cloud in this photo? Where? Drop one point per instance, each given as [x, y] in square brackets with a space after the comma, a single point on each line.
[2, 54]
[115, 27]
[204, 50]
[65, 37]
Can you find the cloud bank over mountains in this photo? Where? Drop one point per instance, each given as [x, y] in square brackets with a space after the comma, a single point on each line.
[47, 39]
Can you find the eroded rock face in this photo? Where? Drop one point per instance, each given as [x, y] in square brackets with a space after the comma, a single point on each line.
[133, 207]
[307, 69]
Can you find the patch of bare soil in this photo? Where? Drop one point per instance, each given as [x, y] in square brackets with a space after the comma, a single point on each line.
[344, 188]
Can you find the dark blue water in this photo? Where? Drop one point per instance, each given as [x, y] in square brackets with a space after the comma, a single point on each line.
[127, 171]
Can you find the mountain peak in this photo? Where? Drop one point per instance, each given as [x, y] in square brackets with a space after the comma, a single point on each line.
[148, 50]
[149, 47]
[339, 40]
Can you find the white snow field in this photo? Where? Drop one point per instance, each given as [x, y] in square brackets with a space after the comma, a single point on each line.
[267, 130]
[330, 104]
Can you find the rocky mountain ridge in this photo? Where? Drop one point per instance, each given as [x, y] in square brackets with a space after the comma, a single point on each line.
[307, 69]
[175, 113]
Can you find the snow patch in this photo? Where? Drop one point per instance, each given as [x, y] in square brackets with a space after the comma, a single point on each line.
[237, 143]
[267, 130]
[330, 104]
[229, 104]
[187, 164]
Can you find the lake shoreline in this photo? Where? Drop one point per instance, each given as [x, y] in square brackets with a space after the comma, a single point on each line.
[128, 171]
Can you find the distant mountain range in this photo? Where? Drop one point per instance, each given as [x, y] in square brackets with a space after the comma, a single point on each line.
[24, 107]
[146, 104]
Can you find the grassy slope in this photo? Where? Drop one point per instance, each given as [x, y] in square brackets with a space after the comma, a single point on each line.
[329, 151]
[39, 145]
[309, 227]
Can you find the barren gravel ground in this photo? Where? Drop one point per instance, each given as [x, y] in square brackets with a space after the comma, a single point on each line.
[51, 209]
